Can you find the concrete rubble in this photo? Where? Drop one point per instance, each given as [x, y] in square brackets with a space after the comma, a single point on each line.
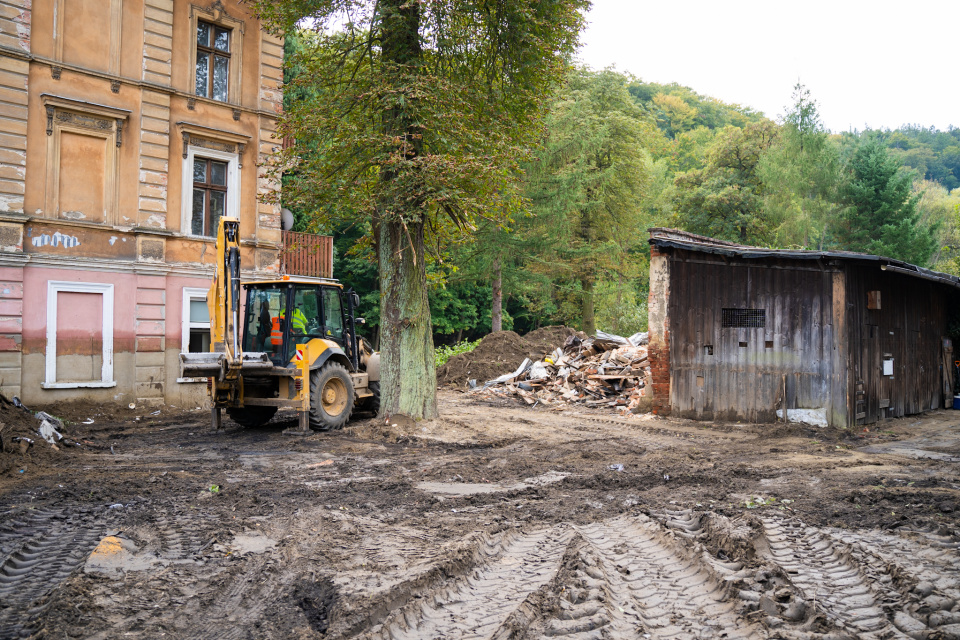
[604, 371]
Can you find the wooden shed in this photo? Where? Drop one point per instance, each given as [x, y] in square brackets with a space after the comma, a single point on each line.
[739, 332]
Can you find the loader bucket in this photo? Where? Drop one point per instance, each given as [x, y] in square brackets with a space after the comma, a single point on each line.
[202, 365]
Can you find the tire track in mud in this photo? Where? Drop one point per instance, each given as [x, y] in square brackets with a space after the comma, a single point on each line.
[479, 604]
[919, 568]
[829, 578]
[617, 579]
[657, 585]
[236, 607]
[40, 550]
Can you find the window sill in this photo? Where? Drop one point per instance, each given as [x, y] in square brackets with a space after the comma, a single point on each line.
[77, 385]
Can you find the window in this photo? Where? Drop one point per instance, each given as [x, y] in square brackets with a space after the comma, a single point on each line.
[213, 61]
[79, 335]
[195, 325]
[744, 318]
[332, 314]
[217, 53]
[209, 195]
[196, 321]
[212, 160]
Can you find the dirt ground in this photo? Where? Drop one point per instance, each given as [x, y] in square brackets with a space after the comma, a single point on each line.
[495, 521]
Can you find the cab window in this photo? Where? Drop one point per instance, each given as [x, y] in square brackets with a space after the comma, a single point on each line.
[265, 308]
[306, 314]
[332, 314]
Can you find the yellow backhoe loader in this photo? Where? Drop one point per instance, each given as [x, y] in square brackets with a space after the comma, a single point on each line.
[291, 342]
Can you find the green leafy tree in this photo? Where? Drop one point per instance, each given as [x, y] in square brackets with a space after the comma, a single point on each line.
[587, 189]
[941, 208]
[725, 198]
[882, 217]
[421, 112]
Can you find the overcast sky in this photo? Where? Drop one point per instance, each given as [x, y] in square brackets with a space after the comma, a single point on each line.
[876, 64]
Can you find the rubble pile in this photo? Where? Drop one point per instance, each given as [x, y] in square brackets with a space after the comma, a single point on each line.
[604, 371]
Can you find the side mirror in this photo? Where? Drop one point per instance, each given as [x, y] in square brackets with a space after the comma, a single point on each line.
[360, 321]
[356, 299]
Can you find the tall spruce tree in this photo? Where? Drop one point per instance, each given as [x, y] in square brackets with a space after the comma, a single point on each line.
[800, 173]
[882, 216]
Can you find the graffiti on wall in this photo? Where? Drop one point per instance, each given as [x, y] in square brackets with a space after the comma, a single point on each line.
[55, 240]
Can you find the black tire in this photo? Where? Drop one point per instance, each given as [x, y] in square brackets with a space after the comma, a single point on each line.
[331, 397]
[373, 402]
[251, 416]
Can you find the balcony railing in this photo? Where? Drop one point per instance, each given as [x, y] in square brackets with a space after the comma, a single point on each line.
[306, 254]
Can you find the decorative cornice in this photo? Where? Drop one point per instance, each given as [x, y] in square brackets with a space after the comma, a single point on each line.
[56, 67]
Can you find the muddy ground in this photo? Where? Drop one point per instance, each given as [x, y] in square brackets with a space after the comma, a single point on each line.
[495, 521]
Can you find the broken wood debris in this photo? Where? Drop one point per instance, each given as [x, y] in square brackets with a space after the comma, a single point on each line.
[606, 370]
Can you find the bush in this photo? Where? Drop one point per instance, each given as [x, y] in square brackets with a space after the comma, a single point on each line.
[444, 352]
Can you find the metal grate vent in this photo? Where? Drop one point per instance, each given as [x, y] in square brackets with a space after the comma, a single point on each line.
[744, 318]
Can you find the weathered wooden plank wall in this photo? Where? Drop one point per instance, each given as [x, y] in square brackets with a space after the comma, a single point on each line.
[738, 373]
[908, 327]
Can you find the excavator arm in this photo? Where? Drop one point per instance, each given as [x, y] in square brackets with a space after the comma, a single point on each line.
[226, 360]
[223, 299]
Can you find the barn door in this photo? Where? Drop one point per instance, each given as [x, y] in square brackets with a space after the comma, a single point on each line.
[868, 380]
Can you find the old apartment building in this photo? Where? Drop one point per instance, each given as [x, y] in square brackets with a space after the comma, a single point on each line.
[127, 128]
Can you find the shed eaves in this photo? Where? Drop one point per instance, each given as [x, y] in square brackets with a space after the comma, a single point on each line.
[675, 238]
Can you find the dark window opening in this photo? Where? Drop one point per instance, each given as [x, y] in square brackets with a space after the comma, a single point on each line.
[209, 196]
[708, 349]
[768, 344]
[744, 318]
[213, 61]
[743, 344]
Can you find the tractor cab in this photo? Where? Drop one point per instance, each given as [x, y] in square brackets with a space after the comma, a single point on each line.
[280, 314]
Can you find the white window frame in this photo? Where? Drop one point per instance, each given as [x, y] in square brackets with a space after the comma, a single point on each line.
[54, 287]
[237, 28]
[190, 293]
[232, 207]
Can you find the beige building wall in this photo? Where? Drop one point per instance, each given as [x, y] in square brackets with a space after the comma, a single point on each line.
[100, 124]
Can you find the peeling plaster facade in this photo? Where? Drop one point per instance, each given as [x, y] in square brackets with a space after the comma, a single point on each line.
[100, 124]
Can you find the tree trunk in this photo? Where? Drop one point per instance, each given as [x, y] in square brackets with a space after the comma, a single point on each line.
[496, 320]
[589, 320]
[408, 377]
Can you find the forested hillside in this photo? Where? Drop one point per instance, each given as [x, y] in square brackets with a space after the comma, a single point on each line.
[567, 243]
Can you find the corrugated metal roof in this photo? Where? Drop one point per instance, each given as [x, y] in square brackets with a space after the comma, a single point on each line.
[663, 237]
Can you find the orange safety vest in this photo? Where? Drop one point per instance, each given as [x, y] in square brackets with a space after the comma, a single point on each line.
[276, 336]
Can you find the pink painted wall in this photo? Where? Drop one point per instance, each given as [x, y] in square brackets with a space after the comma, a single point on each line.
[35, 304]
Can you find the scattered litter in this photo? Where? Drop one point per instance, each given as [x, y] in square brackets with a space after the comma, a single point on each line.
[616, 467]
[607, 370]
[116, 506]
[43, 415]
[132, 405]
[88, 421]
[156, 413]
[214, 488]
[48, 432]
[17, 403]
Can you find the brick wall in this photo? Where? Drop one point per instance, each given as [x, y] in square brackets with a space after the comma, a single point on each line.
[659, 326]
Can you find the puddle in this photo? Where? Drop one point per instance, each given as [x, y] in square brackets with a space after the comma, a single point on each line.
[115, 555]
[470, 488]
[244, 543]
